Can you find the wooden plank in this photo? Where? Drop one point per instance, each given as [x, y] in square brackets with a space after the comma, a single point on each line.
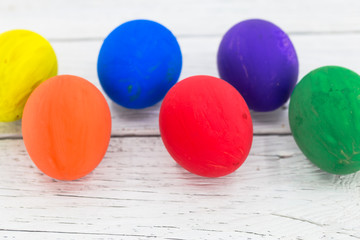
[95, 19]
[199, 56]
[139, 192]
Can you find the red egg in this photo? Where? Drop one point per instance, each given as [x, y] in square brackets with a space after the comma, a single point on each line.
[206, 126]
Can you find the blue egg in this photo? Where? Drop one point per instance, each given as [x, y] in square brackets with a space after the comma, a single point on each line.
[138, 63]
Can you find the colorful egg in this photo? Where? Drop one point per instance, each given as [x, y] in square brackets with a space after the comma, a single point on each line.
[138, 63]
[66, 127]
[206, 126]
[324, 118]
[259, 60]
[26, 60]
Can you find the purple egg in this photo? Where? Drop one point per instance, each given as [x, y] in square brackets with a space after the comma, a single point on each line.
[259, 60]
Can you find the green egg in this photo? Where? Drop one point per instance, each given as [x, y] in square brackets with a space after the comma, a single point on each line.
[324, 116]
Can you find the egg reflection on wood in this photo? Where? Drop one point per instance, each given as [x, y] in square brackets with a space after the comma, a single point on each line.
[66, 127]
[259, 60]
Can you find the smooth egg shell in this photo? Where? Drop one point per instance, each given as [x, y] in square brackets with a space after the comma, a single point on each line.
[66, 127]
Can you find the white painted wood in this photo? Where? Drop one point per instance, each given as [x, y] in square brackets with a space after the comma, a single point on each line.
[95, 19]
[138, 192]
[80, 57]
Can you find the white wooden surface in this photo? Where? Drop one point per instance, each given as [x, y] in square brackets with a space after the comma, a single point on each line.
[138, 191]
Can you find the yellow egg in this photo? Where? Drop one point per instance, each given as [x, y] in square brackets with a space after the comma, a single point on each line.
[26, 60]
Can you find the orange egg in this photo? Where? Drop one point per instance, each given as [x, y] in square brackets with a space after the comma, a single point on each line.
[66, 127]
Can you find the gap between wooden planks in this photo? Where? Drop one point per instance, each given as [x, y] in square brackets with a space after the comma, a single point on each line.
[199, 57]
[95, 19]
[138, 191]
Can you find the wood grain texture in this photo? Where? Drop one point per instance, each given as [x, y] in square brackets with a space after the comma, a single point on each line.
[66, 19]
[139, 192]
[199, 57]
